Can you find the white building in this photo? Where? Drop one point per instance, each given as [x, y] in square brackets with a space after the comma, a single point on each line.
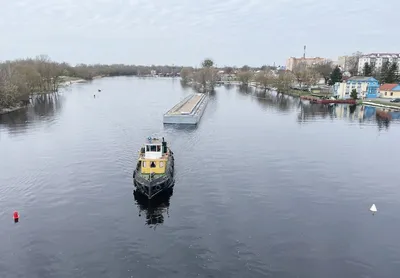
[378, 59]
[366, 87]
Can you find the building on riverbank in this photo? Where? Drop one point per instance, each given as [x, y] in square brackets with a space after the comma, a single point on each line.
[366, 87]
[378, 59]
[293, 62]
[389, 91]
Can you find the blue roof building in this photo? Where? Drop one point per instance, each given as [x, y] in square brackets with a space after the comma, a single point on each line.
[366, 87]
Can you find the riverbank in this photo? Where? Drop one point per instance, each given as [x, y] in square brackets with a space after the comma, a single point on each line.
[66, 81]
[383, 104]
[4, 111]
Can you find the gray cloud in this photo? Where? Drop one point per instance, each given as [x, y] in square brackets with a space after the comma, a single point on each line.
[235, 32]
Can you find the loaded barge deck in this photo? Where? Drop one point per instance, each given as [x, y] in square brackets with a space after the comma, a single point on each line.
[187, 111]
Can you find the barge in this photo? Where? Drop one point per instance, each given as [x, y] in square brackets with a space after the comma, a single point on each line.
[188, 111]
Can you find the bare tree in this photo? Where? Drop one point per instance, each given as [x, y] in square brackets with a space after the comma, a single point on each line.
[245, 77]
[229, 70]
[352, 62]
[186, 74]
[207, 78]
[311, 77]
[55, 71]
[300, 73]
[245, 68]
[306, 75]
[284, 81]
[324, 69]
[265, 79]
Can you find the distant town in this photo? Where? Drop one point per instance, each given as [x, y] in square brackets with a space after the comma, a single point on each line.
[371, 79]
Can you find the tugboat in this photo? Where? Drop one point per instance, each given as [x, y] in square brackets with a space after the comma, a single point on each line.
[154, 171]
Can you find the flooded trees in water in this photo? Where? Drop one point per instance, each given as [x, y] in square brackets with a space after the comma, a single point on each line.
[186, 74]
[203, 79]
[20, 78]
[283, 81]
[13, 86]
[265, 79]
[245, 76]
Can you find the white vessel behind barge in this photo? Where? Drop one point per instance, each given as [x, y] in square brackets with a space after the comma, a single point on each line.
[187, 111]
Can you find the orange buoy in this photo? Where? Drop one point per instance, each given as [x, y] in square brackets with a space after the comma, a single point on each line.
[16, 216]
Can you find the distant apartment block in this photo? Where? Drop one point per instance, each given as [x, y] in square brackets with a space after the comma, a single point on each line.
[292, 62]
[378, 59]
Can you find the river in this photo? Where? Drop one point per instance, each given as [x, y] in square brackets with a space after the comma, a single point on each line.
[266, 186]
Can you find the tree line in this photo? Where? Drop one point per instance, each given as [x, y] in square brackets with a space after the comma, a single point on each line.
[205, 77]
[266, 77]
[23, 77]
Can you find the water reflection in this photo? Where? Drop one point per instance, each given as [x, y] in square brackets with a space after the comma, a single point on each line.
[313, 111]
[308, 112]
[229, 86]
[185, 86]
[47, 105]
[270, 99]
[382, 117]
[280, 102]
[185, 128]
[382, 123]
[43, 108]
[155, 208]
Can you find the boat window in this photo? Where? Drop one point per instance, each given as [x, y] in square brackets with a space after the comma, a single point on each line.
[144, 164]
[147, 148]
[153, 148]
[159, 148]
[152, 164]
[161, 164]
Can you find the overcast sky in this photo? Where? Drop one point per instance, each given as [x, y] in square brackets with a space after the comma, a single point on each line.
[232, 32]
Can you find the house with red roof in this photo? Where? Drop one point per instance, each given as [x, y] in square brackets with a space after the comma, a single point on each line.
[389, 91]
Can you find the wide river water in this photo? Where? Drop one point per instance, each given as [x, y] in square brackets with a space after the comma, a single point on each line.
[266, 186]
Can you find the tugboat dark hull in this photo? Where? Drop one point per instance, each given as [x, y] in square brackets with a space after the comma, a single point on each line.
[153, 187]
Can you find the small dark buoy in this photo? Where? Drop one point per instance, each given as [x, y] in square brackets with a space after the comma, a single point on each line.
[99, 90]
[16, 216]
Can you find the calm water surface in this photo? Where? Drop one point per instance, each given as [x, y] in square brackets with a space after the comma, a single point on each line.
[266, 186]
